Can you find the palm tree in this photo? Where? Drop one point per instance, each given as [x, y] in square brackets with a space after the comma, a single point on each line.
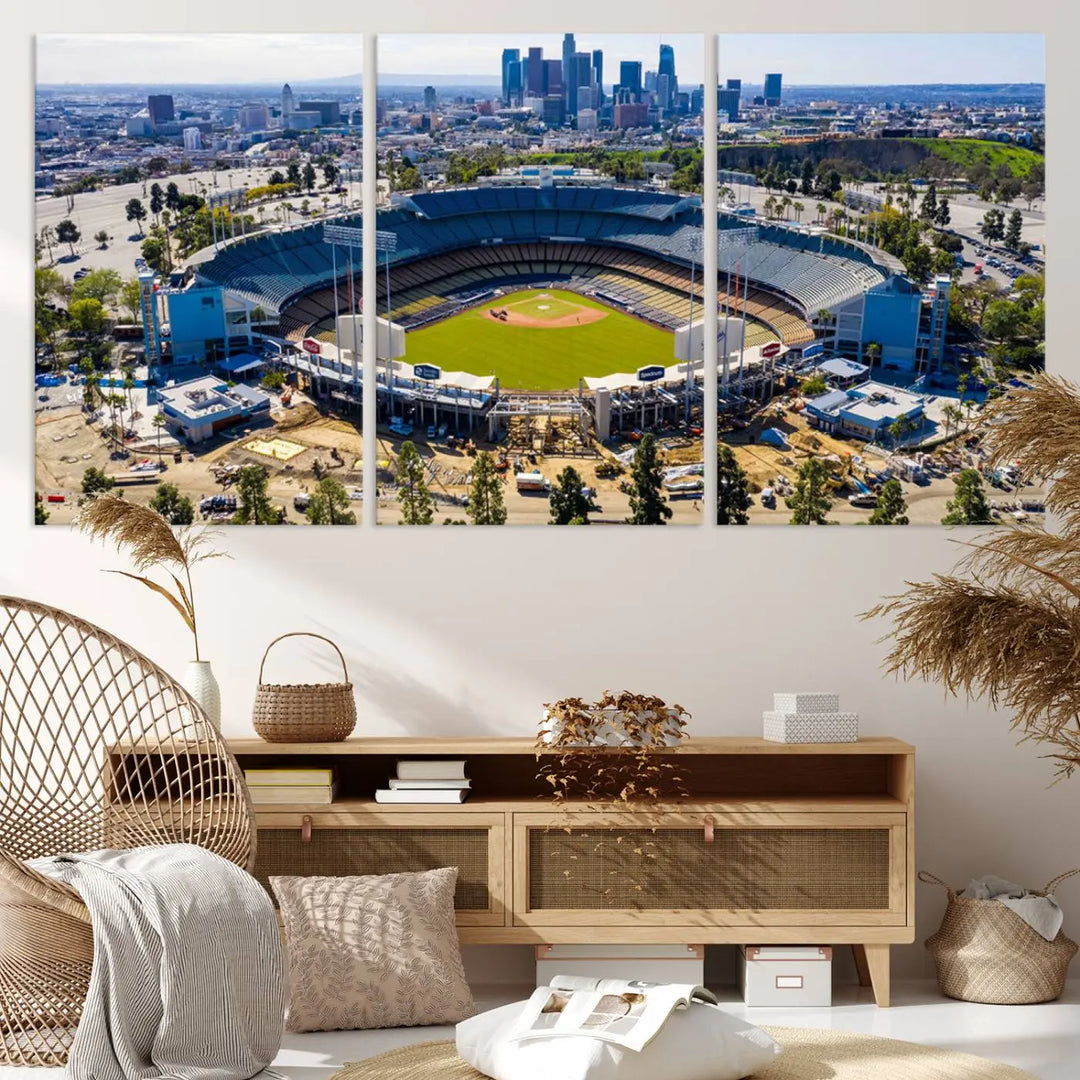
[798, 207]
[953, 416]
[47, 237]
[129, 385]
[159, 423]
[784, 204]
[821, 210]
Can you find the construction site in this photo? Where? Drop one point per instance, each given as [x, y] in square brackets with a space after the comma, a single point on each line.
[534, 450]
[297, 445]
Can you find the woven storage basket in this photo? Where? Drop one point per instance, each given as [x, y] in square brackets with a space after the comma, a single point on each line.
[304, 712]
[985, 952]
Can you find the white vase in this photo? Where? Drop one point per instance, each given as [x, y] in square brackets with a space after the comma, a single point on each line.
[200, 683]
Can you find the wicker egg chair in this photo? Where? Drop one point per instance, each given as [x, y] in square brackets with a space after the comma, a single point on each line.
[99, 748]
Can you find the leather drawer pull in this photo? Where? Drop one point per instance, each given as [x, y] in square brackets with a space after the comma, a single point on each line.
[305, 829]
[709, 830]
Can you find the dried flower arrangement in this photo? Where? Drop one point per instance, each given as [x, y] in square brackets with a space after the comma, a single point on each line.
[613, 750]
[616, 752]
[151, 542]
[1009, 630]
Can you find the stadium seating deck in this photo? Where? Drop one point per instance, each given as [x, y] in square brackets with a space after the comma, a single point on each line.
[454, 240]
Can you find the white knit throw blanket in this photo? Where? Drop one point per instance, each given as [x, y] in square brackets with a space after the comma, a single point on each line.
[188, 974]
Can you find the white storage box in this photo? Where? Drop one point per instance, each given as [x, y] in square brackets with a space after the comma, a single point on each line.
[801, 703]
[780, 976]
[645, 963]
[789, 727]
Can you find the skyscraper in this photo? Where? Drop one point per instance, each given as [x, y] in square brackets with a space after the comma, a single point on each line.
[288, 104]
[772, 88]
[535, 73]
[630, 77]
[160, 108]
[663, 92]
[509, 56]
[553, 80]
[568, 49]
[430, 98]
[598, 75]
[514, 81]
[667, 67]
[577, 74]
[727, 100]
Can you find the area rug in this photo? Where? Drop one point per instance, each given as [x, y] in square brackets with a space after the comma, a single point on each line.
[809, 1054]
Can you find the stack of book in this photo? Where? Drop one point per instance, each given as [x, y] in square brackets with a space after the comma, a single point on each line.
[302, 787]
[426, 782]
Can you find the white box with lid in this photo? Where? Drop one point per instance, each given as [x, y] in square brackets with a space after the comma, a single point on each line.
[644, 963]
[789, 727]
[804, 702]
[783, 976]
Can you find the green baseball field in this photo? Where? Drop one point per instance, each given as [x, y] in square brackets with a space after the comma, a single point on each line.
[545, 339]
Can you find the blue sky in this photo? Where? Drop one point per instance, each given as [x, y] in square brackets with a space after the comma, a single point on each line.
[879, 59]
[195, 58]
[802, 58]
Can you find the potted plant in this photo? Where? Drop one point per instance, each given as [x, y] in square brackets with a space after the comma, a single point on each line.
[614, 749]
[151, 543]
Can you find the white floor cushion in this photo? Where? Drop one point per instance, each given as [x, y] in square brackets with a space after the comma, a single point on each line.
[698, 1043]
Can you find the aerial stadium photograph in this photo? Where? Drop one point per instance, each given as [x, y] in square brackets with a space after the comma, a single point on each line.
[882, 243]
[539, 253]
[179, 230]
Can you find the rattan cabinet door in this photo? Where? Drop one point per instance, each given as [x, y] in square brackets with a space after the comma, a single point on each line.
[760, 869]
[344, 844]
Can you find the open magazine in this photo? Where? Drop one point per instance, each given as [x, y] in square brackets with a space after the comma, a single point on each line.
[616, 1010]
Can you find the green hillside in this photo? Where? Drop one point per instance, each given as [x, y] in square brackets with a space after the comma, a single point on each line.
[968, 152]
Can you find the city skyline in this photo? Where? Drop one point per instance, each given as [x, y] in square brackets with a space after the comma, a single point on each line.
[480, 54]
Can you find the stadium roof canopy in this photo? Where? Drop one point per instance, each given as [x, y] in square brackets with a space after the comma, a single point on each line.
[841, 368]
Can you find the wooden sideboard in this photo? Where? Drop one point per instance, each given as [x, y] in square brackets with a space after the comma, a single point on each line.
[773, 844]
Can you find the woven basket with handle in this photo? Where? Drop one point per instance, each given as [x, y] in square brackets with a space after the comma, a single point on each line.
[985, 952]
[304, 712]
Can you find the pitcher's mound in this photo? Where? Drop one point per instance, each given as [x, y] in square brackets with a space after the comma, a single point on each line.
[557, 313]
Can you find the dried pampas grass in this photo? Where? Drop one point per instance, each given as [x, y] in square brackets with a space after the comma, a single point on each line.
[1009, 629]
[151, 542]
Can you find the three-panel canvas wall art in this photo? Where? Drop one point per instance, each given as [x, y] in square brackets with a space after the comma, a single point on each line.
[579, 316]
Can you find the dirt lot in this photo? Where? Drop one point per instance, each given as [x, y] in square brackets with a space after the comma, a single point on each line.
[765, 464]
[67, 445]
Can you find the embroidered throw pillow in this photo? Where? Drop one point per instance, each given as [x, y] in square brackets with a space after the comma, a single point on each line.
[373, 952]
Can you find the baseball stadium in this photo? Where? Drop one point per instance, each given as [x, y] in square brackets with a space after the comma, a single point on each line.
[552, 295]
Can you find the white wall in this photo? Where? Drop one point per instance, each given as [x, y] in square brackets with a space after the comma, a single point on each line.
[455, 631]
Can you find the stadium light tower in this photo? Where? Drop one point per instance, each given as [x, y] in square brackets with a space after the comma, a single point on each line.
[347, 236]
[694, 244]
[226, 199]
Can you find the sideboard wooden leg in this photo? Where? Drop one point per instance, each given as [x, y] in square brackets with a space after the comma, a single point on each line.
[877, 960]
[861, 965]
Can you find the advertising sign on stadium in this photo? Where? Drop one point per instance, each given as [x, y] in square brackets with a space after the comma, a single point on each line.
[650, 373]
[770, 350]
[428, 372]
[813, 350]
[310, 345]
